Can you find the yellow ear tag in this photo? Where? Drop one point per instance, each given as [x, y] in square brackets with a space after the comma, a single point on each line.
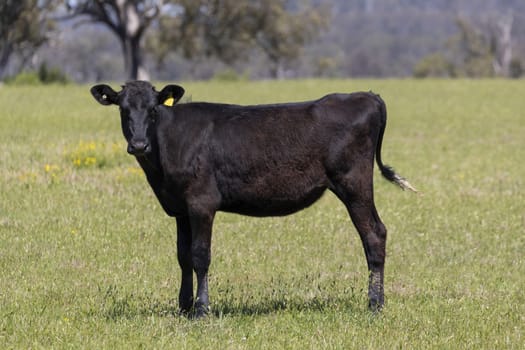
[169, 101]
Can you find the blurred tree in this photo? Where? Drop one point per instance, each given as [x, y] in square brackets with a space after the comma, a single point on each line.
[475, 51]
[23, 28]
[515, 68]
[483, 51]
[282, 34]
[127, 19]
[434, 65]
[229, 29]
[502, 44]
[471, 51]
[203, 28]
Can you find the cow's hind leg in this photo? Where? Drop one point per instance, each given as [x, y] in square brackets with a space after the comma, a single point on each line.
[359, 202]
[373, 236]
[186, 264]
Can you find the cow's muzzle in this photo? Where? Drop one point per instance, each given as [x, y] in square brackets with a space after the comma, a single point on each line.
[138, 148]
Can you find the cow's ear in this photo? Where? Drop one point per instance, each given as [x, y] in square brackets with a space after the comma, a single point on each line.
[104, 94]
[170, 95]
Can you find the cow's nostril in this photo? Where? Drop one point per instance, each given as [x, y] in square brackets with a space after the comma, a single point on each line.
[141, 145]
[138, 147]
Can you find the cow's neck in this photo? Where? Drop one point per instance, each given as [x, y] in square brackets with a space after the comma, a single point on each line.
[150, 164]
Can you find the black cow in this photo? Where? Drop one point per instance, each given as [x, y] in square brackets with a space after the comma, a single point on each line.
[266, 160]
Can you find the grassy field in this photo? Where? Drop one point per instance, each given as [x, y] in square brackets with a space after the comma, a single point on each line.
[88, 258]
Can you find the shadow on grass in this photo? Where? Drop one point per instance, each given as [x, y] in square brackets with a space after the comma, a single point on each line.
[115, 304]
[276, 304]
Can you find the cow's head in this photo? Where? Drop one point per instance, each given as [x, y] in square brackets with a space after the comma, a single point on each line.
[138, 102]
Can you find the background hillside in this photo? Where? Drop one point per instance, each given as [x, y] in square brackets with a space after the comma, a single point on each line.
[357, 38]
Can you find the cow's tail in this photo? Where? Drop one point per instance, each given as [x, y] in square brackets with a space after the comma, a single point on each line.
[388, 172]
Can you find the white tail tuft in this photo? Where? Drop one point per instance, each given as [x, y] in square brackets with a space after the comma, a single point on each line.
[403, 183]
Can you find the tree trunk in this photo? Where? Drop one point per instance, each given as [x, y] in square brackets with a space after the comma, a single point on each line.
[5, 54]
[133, 65]
[276, 67]
[503, 54]
[127, 19]
[130, 36]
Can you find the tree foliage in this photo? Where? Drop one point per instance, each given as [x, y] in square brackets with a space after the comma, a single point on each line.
[475, 51]
[471, 51]
[434, 65]
[23, 28]
[282, 34]
[203, 28]
[230, 29]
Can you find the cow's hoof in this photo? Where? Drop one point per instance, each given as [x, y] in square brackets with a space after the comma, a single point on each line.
[186, 307]
[185, 312]
[375, 306]
[201, 311]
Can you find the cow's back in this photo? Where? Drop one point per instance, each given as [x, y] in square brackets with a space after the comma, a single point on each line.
[264, 160]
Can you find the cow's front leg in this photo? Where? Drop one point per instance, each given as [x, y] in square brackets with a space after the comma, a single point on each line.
[201, 225]
[185, 263]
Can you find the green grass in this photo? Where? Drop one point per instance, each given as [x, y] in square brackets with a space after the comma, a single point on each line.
[88, 258]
